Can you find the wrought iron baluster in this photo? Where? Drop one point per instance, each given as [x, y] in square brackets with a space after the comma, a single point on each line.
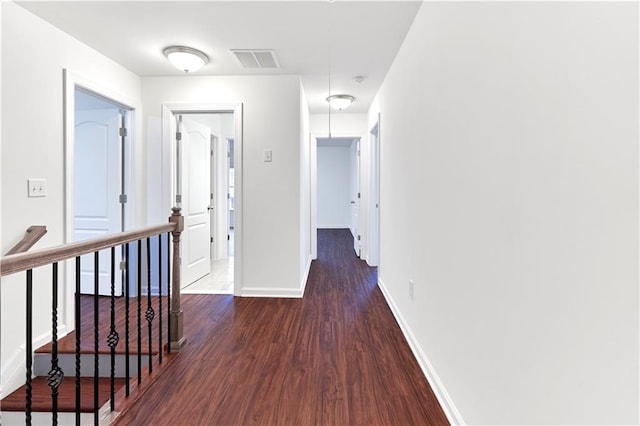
[78, 335]
[29, 344]
[127, 367]
[149, 314]
[113, 338]
[96, 366]
[168, 292]
[160, 297]
[139, 288]
[55, 375]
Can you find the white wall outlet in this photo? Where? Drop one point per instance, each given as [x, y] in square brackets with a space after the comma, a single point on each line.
[411, 293]
[267, 155]
[37, 187]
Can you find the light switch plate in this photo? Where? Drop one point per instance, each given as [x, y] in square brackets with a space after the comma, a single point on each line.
[267, 156]
[37, 187]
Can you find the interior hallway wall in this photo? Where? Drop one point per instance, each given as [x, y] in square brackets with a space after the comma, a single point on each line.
[271, 190]
[509, 185]
[34, 54]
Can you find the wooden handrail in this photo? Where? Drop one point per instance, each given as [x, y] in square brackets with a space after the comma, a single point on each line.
[32, 236]
[29, 260]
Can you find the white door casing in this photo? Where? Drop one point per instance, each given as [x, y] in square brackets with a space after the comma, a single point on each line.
[374, 197]
[97, 183]
[196, 172]
[355, 194]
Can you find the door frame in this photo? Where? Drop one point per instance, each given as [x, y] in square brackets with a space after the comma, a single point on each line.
[373, 246]
[313, 169]
[169, 156]
[71, 81]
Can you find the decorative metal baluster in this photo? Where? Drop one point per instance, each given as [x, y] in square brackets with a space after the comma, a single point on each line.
[29, 349]
[96, 366]
[127, 370]
[77, 326]
[160, 296]
[139, 311]
[55, 375]
[113, 338]
[168, 292]
[149, 314]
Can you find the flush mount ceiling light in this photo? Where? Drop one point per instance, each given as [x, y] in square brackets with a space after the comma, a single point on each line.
[340, 102]
[186, 59]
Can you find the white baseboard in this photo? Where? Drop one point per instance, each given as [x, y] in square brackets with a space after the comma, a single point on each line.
[305, 277]
[450, 410]
[271, 292]
[279, 292]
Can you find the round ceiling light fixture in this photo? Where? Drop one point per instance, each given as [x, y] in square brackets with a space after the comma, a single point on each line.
[186, 59]
[340, 102]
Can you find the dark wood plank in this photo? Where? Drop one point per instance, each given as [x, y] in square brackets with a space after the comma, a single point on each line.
[41, 399]
[335, 357]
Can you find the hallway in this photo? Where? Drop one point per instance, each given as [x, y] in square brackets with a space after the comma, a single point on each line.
[335, 357]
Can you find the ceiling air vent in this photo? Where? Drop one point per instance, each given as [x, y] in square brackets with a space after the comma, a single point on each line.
[256, 58]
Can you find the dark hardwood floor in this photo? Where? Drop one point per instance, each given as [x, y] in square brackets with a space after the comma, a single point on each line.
[335, 357]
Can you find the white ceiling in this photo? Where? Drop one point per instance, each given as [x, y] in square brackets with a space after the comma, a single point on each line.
[356, 37]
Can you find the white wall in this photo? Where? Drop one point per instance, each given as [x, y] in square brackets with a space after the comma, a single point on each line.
[271, 191]
[305, 190]
[334, 186]
[342, 124]
[509, 185]
[34, 55]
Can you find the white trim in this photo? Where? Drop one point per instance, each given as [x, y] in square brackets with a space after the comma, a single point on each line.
[272, 292]
[447, 404]
[305, 277]
[168, 169]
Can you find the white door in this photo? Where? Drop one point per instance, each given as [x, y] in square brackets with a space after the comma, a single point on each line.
[196, 172]
[97, 183]
[355, 194]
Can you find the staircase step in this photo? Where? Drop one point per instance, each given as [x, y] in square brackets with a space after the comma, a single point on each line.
[67, 363]
[41, 395]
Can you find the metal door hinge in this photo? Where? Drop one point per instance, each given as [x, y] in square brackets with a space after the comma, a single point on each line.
[178, 136]
[211, 239]
[123, 198]
[358, 237]
[178, 198]
[123, 265]
[123, 131]
[358, 195]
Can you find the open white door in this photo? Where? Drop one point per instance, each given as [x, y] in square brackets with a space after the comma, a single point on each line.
[196, 172]
[355, 194]
[97, 182]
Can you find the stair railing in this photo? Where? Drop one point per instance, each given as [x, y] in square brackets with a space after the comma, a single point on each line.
[31, 236]
[28, 261]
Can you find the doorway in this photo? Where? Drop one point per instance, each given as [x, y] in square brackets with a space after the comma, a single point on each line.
[337, 186]
[99, 183]
[208, 195]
